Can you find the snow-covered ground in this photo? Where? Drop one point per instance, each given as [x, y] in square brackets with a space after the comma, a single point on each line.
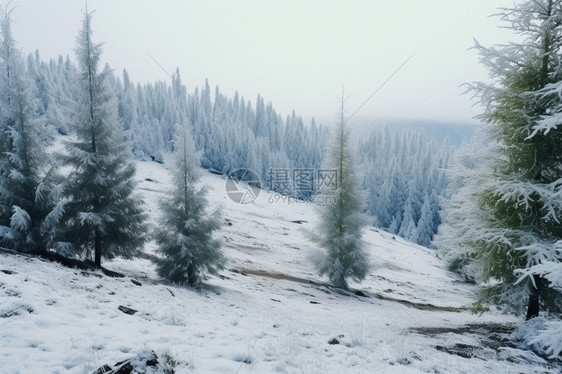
[267, 312]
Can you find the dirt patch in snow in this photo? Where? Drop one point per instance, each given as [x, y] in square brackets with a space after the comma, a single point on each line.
[263, 273]
[422, 306]
[290, 278]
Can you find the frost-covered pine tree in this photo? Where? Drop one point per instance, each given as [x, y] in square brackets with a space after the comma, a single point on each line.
[517, 226]
[426, 223]
[408, 226]
[185, 234]
[463, 218]
[103, 215]
[28, 194]
[342, 219]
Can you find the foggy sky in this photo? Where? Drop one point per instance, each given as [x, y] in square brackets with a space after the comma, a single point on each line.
[296, 54]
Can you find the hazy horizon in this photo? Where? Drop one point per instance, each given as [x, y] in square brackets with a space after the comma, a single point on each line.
[296, 55]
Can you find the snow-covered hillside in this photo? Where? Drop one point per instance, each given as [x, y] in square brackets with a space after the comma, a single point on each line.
[267, 312]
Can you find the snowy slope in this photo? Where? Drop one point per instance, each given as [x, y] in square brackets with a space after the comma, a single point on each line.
[268, 312]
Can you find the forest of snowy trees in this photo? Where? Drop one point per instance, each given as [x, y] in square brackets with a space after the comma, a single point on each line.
[404, 174]
[232, 133]
[403, 171]
[106, 120]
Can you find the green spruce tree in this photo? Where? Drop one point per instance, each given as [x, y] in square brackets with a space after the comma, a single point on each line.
[28, 191]
[103, 215]
[185, 234]
[342, 219]
[519, 207]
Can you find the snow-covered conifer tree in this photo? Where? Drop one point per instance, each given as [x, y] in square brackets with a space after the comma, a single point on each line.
[518, 227]
[185, 234]
[103, 215]
[463, 218]
[342, 219]
[425, 226]
[408, 226]
[27, 183]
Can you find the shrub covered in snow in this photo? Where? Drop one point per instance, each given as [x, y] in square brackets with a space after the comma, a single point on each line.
[542, 335]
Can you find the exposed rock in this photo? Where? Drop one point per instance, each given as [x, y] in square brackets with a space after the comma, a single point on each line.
[126, 310]
[299, 221]
[9, 272]
[404, 361]
[135, 365]
[360, 293]
[333, 341]
[136, 282]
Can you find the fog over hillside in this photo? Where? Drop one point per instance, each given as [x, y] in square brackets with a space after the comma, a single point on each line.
[455, 132]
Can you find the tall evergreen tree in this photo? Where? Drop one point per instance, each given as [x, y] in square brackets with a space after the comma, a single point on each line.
[519, 226]
[408, 226]
[342, 219]
[103, 215]
[27, 191]
[424, 229]
[463, 217]
[185, 234]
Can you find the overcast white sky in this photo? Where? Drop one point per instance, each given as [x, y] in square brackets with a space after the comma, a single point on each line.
[297, 54]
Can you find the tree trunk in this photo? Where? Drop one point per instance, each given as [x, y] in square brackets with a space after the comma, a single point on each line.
[191, 275]
[97, 248]
[534, 298]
